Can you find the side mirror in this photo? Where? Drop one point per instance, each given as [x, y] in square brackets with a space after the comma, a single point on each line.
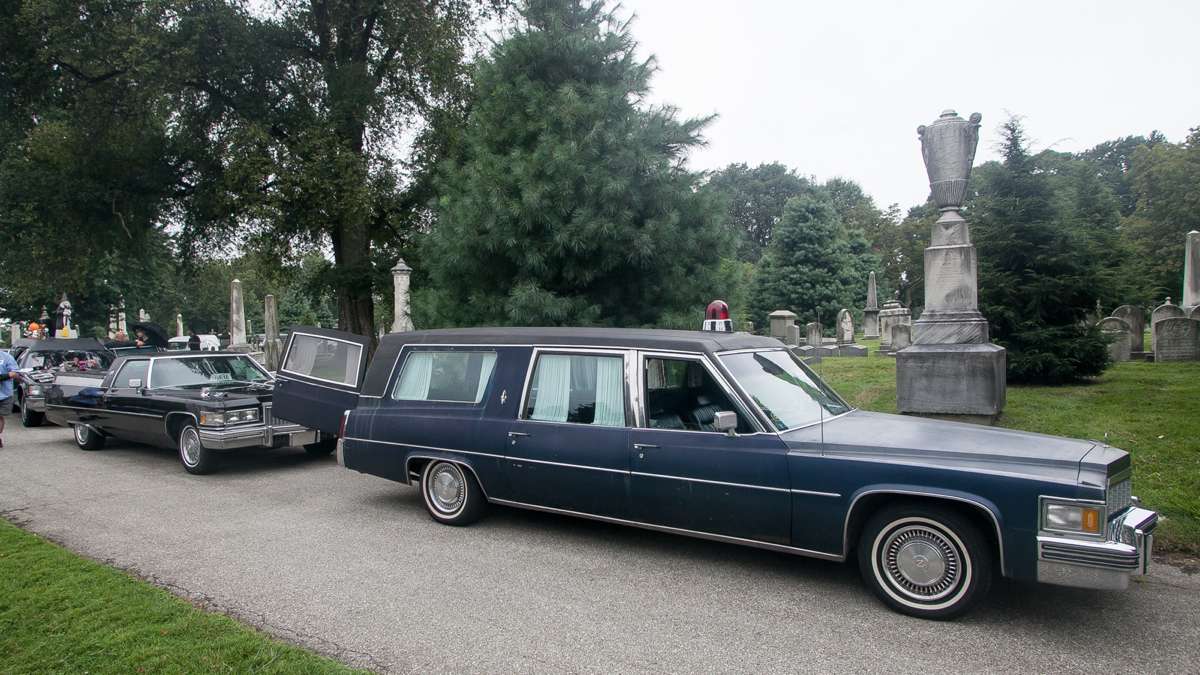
[725, 421]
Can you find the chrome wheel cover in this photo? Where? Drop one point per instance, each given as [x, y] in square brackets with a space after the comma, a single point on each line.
[81, 434]
[189, 447]
[446, 488]
[921, 563]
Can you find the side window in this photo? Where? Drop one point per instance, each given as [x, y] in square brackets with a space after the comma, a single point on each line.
[456, 377]
[577, 388]
[682, 394]
[324, 358]
[131, 372]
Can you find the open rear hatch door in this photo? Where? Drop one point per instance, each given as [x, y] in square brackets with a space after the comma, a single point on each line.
[319, 377]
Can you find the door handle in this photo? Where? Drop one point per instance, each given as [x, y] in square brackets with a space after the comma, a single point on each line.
[514, 434]
[643, 446]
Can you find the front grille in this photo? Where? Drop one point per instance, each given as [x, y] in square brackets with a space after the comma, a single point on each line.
[1119, 497]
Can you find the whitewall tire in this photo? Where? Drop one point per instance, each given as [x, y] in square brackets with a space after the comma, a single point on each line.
[451, 494]
[924, 560]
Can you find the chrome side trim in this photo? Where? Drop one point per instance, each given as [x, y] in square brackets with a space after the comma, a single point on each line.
[710, 482]
[103, 410]
[677, 530]
[914, 493]
[425, 447]
[519, 460]
[815, 493]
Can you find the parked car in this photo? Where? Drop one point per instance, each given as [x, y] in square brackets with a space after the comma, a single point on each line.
[728, 437]
[208, 343]
[42, 361]
[202, 404]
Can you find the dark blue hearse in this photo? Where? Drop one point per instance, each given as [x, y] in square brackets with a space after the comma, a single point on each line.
[722, 436]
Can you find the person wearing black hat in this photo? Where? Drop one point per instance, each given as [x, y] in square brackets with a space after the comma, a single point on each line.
[194, 343]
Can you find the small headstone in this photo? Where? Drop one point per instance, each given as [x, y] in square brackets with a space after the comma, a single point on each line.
[1177, 339]
[1136, 318]
[901, 337]
[845, 328]
[1116, 330]
[780, 319]
[1195, 313]
[812, 333]
[793, 336]
[1167, 310]
[852, 350]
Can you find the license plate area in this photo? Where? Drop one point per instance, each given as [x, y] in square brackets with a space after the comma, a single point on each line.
[299, 438]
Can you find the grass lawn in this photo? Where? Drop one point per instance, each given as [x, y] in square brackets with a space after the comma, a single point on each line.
[61, 613]
[1151, 410]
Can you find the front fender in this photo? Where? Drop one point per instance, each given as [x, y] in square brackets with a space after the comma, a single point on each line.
[868, 495]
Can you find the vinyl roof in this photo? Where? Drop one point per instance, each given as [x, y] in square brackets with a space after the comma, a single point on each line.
[640, 338]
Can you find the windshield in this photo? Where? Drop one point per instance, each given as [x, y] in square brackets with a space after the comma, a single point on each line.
[71, 360]
[788, 392]
[206, 371]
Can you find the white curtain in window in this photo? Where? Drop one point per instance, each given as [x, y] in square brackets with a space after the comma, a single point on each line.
[485, 373]
[414, 379]
[553, 384]
[610, 392]
[656, 374]
[302, 355]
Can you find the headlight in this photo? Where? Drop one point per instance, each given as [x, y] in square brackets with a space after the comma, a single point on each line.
[212, 419]
[35, 390]
[243, 415]
[1072, 517]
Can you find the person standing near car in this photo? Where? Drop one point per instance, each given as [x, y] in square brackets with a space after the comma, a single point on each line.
[8, 373]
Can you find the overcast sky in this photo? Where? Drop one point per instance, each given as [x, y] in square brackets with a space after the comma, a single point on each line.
[839, 88]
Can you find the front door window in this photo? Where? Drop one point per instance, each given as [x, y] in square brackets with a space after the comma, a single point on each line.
[681, 394]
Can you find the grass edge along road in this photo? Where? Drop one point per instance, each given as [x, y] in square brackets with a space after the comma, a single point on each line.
[1151, 410]
[61, 612]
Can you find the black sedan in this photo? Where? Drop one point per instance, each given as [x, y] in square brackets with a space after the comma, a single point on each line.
[42, 361]
[201, 404]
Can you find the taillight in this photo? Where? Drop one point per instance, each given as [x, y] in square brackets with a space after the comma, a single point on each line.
[342, 426]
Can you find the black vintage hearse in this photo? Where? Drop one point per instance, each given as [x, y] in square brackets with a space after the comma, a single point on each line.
[202, 404]
[722, 436]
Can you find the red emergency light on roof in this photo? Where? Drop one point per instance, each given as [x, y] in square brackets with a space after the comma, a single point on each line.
[718, 310]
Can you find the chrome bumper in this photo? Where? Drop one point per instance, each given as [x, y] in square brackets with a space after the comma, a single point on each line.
[34, 403]
[1105, 565]
[257, 435]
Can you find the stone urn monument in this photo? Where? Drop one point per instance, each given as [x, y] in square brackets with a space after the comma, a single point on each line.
[951, 369]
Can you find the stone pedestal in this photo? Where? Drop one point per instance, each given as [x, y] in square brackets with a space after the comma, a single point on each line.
[949, 379]
[893, 314]
[780, 319]
[871, 311]
[14, 334]
[901, 338]
[1191, 271]
[951, 368]
[401, 319]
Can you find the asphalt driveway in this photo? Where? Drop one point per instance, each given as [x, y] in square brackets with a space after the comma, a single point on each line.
[351, 566]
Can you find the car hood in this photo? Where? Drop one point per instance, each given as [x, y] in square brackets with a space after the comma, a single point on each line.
[915, 440]
[230, 396]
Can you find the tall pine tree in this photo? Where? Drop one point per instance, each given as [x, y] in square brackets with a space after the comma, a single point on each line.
[1037, 281]
[566, 199]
